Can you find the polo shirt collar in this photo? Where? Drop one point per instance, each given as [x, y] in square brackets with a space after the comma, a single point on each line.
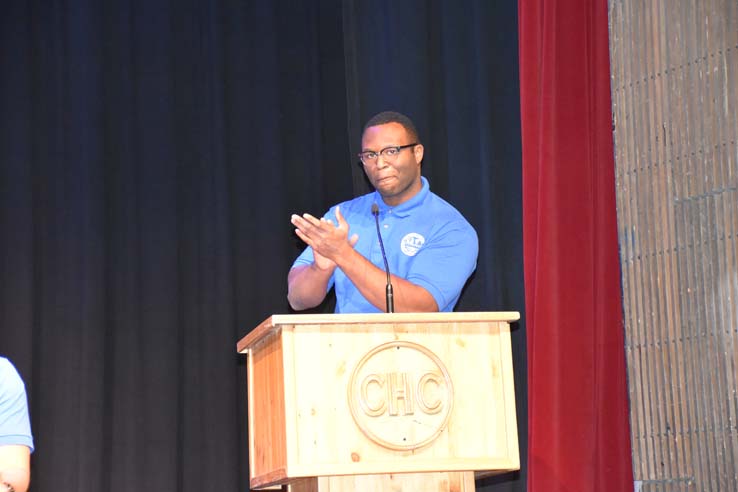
[404, 209]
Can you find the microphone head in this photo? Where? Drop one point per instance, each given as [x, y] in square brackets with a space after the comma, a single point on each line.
[375, 209]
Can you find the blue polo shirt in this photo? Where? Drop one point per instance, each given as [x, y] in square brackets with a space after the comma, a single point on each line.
[15, 426]
[427, 241]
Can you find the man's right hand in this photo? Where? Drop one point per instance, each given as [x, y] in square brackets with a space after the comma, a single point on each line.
[307, 284]
[329, 241]
[322, 263]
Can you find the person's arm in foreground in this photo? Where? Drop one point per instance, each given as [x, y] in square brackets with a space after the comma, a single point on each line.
[15, 466]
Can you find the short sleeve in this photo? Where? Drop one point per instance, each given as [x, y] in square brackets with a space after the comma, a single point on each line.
[15, 426]
[443, 264]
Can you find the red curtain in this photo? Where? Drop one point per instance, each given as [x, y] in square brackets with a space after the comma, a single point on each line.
[579, 437]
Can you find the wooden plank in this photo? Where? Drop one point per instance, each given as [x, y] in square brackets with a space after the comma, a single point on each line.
[675, 99]
[361, 319]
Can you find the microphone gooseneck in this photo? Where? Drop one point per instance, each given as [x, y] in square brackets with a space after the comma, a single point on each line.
[388, 291]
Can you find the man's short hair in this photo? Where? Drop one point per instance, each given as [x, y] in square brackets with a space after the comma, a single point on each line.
[393, 117]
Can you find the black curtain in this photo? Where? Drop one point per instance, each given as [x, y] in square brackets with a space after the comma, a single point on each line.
[151, 153]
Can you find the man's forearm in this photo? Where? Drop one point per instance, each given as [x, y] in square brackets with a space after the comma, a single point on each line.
[307, 285]
[371, 282]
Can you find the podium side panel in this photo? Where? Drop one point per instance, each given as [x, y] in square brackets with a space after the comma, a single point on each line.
[267, 440]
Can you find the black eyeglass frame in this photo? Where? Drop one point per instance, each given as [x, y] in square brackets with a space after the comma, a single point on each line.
[398, 148]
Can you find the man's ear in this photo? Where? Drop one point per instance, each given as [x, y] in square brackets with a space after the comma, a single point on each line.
[418, 151]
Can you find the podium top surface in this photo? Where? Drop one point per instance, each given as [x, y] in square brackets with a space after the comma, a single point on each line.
[275, 321]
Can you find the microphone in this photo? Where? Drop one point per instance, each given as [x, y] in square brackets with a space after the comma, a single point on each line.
[389, 294]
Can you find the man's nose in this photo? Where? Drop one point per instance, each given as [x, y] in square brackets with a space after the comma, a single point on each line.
[381, 163]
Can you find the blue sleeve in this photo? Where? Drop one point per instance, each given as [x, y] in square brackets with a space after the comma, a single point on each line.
[15, 425]
[445, 262]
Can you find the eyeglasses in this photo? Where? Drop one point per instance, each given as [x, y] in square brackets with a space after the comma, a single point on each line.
[387, 153]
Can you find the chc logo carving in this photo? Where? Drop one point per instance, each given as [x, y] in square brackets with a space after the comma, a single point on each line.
[401, 395]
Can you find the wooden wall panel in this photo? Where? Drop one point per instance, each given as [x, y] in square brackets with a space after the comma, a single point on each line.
[674, 70]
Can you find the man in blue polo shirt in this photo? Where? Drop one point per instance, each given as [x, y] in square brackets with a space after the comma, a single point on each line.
[431, 249]
[16, 442]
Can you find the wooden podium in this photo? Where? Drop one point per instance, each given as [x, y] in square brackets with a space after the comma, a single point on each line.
[373, 402]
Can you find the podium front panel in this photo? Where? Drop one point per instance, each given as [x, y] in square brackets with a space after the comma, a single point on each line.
[381, 394]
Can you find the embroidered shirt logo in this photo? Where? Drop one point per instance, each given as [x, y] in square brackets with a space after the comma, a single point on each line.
[411, 243]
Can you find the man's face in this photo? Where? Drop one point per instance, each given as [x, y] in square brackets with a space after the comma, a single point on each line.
[397, 179]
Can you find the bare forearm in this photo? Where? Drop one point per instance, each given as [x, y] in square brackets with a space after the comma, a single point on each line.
[306, 286]
[15, 466]
[19, 479]
[372, 282]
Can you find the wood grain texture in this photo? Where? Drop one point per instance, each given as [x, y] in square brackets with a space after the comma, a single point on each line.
[675, 98]
[325, 434]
